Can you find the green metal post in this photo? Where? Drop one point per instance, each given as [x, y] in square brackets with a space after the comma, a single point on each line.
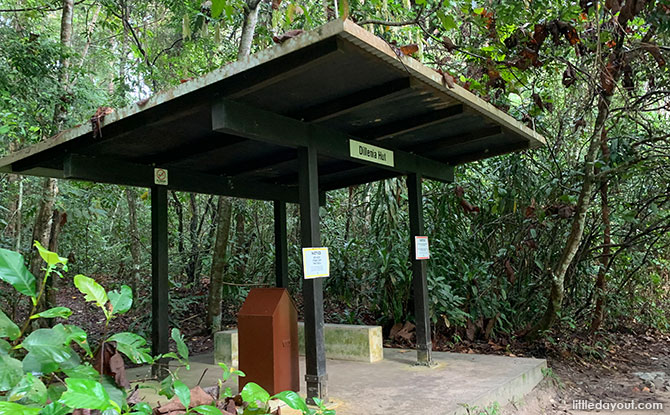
[424, 345]
[312, 291]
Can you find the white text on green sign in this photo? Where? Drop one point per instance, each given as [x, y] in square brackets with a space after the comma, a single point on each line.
[368, 152]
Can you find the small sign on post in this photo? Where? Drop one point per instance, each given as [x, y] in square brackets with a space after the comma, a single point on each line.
[421, 247]
[161, 177]
[316, 262]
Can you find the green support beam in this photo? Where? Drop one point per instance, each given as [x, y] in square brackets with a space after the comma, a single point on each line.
[159, 277]
[424, 345]
[233, 118]
[312, 289]
[99, 170]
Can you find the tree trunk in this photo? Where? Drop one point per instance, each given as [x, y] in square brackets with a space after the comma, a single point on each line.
[60, 111]
[555, 299]
[135, 250]
[44, 222]
[194, 257]
[89, 34]
[606, 256]
[18, 222]
[223, 214]
[179, 209]
[13, 229]
[58, 220]
[248, 27]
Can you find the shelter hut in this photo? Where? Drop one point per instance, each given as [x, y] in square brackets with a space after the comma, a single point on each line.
[331, 108]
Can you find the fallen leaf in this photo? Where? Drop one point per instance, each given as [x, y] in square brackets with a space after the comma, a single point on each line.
[395, 329]
[97, 119]
[407, 331]
[409, 50]
[288, 35]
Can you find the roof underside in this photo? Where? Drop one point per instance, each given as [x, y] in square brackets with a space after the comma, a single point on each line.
[338, 76]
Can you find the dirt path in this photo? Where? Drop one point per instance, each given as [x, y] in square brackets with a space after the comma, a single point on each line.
[635, 369]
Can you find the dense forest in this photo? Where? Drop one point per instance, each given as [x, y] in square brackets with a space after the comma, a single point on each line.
[571, 237]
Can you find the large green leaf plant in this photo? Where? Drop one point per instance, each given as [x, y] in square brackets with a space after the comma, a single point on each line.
[41, 371]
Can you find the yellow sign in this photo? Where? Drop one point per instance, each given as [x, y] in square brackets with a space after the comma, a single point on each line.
[316, 262]
[368, 152]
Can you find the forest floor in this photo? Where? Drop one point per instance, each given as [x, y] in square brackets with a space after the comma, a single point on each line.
[635, 367]
[617, 368]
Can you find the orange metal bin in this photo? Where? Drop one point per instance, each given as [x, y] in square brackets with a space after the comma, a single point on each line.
[268, 340]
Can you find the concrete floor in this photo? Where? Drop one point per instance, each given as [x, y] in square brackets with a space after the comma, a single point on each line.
[395, 385]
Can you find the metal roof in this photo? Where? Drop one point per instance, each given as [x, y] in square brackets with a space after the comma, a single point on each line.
[336, 78]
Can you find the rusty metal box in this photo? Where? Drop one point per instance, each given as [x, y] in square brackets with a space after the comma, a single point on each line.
[268, 340]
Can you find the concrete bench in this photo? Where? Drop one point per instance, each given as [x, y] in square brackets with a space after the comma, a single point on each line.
[225, 348]
[343, 342]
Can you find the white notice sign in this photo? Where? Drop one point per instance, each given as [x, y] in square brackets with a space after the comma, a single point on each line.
[421, 247]
[161, 177]
[316, 262]
[368, 152]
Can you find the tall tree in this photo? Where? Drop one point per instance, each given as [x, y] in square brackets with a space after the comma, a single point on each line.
[214, 298]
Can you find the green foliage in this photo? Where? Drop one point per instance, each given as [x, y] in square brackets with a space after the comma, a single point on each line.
[133, 346]
[183, 393]
[121, 301]
[92, 290]
[85, 394]
[14, 272]
[8, 328]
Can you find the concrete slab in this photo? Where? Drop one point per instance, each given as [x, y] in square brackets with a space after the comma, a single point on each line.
[396, 385]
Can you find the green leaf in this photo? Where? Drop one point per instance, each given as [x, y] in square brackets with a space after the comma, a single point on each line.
[167, 388]
[85, 371]
[11, 372]
[42, 362]
[226, 371]
[116, 394]
[49, 350]
[30, 388]
[141, 408]
[51, 258]
[37, 363]
[133, 346]
[207, 410]
[62, 312]
[217, 7]
[448, 22]
[11, 408]
[183, 393]
[253, 392]
[92, 290]
[181, 346]
[5, 347]
[293, 400]
[121, 301]
[85, 394]
[51, 342]
[13, 271]
[8, 328]
[75, 334]
[55, 408]
[55, 391]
